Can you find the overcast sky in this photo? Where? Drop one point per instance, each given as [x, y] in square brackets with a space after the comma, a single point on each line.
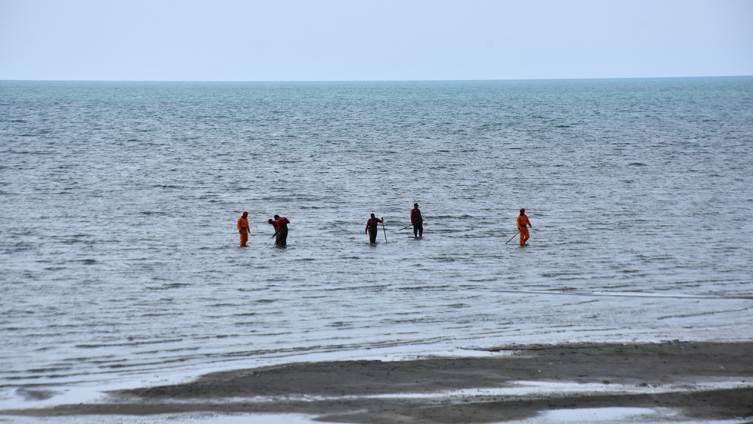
[343, 40]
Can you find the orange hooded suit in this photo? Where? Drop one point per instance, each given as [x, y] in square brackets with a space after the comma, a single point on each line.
[243, 228]
[522, 221]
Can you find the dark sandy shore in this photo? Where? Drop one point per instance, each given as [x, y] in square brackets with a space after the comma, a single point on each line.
[345, 391]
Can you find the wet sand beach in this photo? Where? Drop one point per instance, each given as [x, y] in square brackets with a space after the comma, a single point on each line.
[698, 380]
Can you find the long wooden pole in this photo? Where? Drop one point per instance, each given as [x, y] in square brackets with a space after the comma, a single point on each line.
[512, 237]
[410, 225]
[273, 236]
[385, 231]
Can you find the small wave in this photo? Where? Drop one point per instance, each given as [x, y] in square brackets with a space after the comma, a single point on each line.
[131, 343]
[703, 314]
[169, 286]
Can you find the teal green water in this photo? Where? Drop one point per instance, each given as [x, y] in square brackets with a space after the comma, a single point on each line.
[118, 204]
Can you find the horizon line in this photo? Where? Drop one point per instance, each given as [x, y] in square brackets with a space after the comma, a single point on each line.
[385, 80]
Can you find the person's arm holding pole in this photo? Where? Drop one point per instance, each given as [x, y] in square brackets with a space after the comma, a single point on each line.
[272, 223]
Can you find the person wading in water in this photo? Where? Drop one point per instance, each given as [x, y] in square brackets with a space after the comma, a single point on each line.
[417, 220]
[522, 221]
[281, 229]
[243, 228]
[371, 227]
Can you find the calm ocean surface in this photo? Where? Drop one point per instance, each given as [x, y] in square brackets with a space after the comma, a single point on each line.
[119, 255]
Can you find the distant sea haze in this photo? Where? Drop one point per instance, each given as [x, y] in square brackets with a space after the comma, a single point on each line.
[120, 254]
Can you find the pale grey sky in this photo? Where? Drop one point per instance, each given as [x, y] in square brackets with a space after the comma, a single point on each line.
[345, 40]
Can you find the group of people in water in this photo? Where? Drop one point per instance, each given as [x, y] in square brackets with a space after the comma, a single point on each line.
[280, 224]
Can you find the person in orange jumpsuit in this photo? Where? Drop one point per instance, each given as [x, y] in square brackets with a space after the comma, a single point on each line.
[243, 228]
[522, 221]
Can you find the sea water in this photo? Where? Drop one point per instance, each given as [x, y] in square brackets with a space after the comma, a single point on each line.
[120, 257]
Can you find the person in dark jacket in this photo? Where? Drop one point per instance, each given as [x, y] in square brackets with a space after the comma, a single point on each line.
[371, 227]
[281, 229]
[417, 220]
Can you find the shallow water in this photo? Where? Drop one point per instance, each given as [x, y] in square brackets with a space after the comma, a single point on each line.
[120, 255]
[581, 416]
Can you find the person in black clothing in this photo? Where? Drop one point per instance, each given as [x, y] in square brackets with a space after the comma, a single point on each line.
[281, 229]
[417, 220]
[371, 227]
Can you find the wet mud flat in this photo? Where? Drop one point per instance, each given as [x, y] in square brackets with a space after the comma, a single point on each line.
[698, 380]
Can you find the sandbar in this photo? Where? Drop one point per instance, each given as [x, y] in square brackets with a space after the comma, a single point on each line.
[699, 380]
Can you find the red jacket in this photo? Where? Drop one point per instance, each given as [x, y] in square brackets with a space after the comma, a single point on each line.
[415, 216]
[280, 222]
[368, 223]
